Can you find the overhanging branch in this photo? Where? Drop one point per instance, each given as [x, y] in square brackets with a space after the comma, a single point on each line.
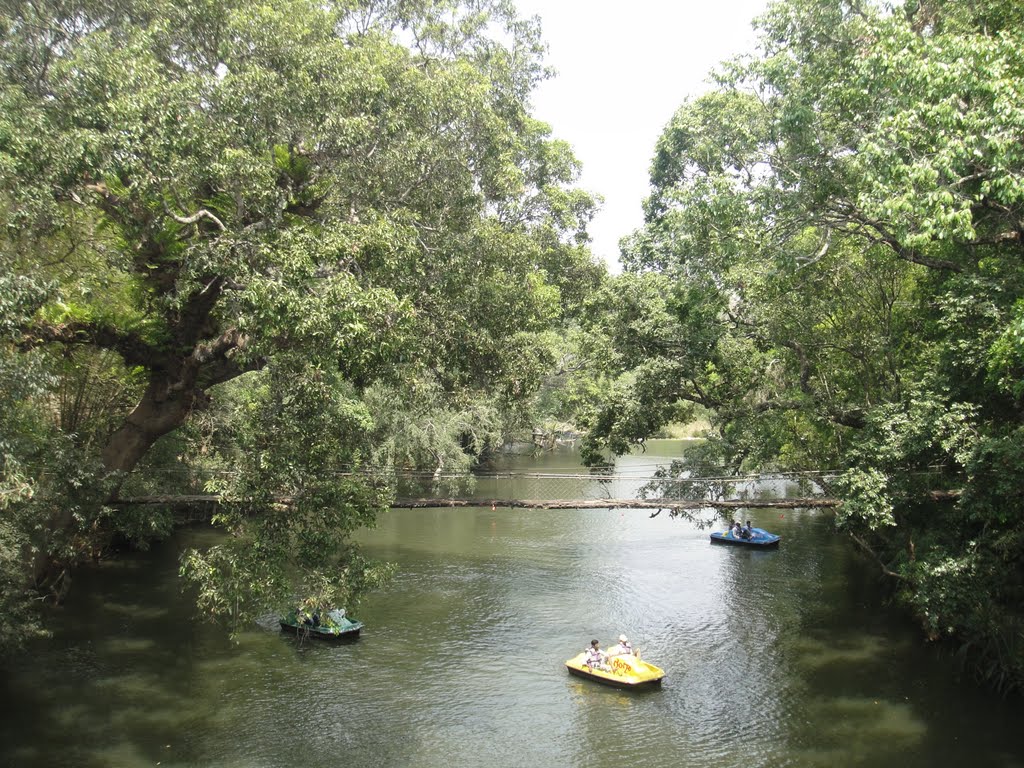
[132, 347]
[874, 556]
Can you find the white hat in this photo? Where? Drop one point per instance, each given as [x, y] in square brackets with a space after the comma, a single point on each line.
[622, 639]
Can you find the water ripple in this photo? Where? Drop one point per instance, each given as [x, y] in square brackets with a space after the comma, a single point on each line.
[770, 660]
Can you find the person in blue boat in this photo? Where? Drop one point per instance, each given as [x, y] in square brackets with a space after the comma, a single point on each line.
[596, 658]
[736, 529]
[747, 532]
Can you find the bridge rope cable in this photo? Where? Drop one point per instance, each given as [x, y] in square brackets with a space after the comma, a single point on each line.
[626, 474]
[545, 490]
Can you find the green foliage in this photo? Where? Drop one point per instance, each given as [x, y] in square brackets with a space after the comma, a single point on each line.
[293, 506]
[21, 431]
[866, 499]
[833, 246]
[260, 227]
[418, 427]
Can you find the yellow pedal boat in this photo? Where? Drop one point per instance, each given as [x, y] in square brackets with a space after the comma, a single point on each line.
[622, 671]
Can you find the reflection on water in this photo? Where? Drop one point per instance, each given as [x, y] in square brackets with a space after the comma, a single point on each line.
[773, 658]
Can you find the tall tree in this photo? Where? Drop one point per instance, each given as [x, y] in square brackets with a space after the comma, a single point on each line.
[317, 196]
[839, 228]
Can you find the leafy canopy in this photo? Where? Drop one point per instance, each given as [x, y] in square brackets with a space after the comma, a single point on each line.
[831, 263]
[276, 215]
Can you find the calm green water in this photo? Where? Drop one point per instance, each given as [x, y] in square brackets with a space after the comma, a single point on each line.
[772, 658]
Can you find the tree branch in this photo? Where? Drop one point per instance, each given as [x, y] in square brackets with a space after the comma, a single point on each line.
[202, 213]
[849, 215]
[874, 556]
[1002, 238]
[132, 347]
[216, 360]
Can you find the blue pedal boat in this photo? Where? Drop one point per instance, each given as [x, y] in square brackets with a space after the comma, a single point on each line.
[759, 538]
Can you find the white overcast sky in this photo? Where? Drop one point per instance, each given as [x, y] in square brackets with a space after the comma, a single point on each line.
[623, 70]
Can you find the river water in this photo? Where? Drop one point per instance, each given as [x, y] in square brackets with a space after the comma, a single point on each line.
[783, 658]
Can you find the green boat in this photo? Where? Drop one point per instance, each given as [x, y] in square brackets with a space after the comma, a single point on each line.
[334, 625]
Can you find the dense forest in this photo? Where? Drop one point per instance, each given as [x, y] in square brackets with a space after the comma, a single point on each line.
[251, 248]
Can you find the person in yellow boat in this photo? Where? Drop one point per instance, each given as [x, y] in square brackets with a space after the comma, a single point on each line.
[596, 658]
[623, 648]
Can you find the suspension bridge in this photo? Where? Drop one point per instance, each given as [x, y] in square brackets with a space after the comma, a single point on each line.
[532, 490]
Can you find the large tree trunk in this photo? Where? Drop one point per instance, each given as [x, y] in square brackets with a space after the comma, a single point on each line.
[174, 390]
[163, 408]
[178, 381]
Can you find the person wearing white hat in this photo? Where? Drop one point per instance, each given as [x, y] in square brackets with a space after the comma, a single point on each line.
[622, 648]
